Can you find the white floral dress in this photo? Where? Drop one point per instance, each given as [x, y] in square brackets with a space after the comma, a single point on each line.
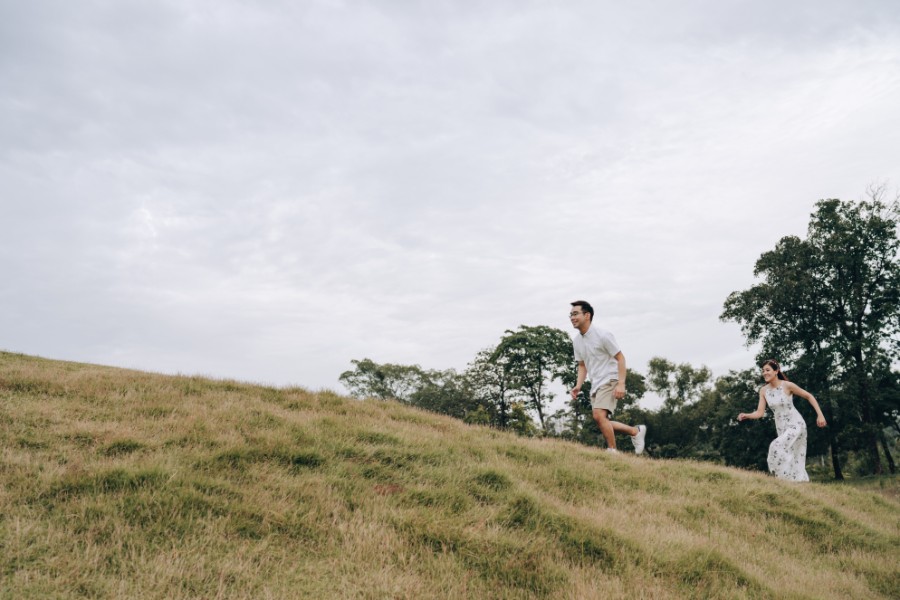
[787, 454]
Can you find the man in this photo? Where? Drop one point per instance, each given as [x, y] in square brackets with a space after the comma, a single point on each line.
[600, 360]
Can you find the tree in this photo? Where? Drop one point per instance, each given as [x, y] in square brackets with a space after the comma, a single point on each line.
[489, 379]
[532, 358]
[520, 422]
[678, 385]
[446, 392]
[383, 381]
[829, 306]
[675, 424]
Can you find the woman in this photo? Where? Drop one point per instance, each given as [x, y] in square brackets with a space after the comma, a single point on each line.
[787, 454]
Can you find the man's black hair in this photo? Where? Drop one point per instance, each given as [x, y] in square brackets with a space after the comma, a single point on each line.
[585, 307]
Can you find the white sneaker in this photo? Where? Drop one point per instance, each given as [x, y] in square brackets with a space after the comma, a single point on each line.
[638, 439]
[612, 450]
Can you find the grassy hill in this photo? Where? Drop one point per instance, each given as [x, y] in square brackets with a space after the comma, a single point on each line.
[124, 484]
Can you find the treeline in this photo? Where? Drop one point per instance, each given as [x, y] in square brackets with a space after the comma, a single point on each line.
[827, 308]
[696, 419]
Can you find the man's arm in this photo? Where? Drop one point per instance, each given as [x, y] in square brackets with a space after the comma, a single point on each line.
[582, 375]
[620, 387]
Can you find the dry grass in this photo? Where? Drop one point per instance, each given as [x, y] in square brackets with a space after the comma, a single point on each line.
[123, 484]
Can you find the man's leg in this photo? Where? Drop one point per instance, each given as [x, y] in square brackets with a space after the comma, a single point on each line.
[609, 428]
[601, 415]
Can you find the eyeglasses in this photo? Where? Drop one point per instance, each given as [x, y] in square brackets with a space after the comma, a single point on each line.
[575, 314]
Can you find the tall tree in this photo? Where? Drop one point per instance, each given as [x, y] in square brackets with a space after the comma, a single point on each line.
[829, 305]
[533, 357]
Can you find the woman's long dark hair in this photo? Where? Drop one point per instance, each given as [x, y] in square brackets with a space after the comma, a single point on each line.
[775, 367]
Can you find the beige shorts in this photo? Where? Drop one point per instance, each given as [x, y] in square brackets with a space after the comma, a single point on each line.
[603, 396]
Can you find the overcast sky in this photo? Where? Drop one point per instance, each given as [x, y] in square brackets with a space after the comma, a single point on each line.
[264, 191]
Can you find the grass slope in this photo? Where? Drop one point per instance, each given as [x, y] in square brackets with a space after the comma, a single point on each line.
[124, 484]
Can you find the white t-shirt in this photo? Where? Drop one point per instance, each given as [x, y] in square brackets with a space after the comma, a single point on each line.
[597, 349]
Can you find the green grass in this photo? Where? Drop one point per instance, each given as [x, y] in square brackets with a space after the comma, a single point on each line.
[124, 484]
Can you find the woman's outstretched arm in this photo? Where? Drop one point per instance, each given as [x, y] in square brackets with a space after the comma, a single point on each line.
[760, 411]
[799, 391]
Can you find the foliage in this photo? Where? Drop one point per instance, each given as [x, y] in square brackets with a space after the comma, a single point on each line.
[678, 385]
[386, 381]
[446, 392]
[491, 385]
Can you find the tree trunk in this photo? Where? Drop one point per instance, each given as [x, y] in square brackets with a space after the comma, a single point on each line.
[503, 416]
[865, 405]
[832, 440]
[872, 442]
[887, 451]
[836, 461]
[576, 419]
[539, 408]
